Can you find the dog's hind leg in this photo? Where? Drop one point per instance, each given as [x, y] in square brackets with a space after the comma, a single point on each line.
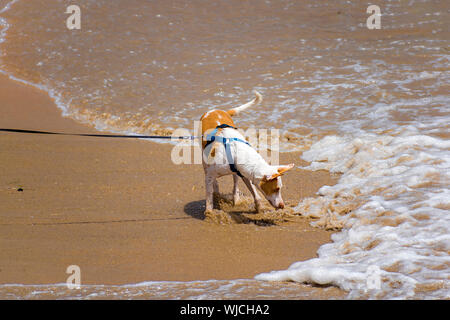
[235, 189]
[209, 186]
[254, 193]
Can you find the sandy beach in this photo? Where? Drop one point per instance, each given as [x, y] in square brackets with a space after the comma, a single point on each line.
[124, 213]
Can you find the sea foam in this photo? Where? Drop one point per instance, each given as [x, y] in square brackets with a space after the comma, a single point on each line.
[400, 223]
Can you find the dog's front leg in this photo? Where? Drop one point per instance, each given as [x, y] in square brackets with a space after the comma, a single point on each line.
[254, 193]
[209, 186]
[216, 187]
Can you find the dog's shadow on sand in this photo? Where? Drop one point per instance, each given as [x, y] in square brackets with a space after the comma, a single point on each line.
[226, 213]
[196, 209]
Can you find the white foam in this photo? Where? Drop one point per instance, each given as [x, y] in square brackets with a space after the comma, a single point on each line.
[401, 225]
[239, 289]
[3, 23]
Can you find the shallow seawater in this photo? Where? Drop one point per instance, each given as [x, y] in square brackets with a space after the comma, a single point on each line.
[239, 289]
[370, 104]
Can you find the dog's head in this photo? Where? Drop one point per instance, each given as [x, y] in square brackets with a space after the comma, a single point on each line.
[270, 185]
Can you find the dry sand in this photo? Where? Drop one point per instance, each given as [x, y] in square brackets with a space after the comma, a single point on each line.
[123, 212]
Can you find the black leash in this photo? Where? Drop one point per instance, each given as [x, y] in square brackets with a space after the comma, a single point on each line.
[210, 138]
[99, 135]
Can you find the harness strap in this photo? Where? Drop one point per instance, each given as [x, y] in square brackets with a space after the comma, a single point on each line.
[210, 138]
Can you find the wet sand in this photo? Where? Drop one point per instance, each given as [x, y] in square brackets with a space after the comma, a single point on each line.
[124, 213]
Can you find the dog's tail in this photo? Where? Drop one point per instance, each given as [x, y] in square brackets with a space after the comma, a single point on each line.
[235, 111]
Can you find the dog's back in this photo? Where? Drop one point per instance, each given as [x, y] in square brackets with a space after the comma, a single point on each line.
[211, 119]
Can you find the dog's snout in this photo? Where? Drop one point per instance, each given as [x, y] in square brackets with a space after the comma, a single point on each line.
[281, 205]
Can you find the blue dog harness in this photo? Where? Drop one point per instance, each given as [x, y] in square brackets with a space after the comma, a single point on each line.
[210, 138]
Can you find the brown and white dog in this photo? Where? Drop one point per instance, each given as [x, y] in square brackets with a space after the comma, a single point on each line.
[240, 159]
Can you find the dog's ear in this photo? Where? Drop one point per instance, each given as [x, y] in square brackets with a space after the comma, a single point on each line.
[269, 177]
[283, 169]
